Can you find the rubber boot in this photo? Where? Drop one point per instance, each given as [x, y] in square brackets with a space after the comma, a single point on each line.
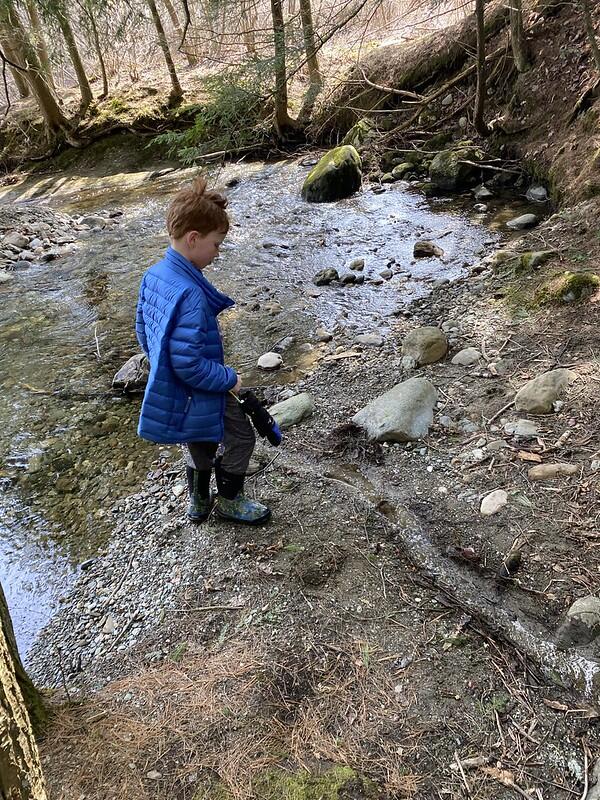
[233, 505]
[200, 497]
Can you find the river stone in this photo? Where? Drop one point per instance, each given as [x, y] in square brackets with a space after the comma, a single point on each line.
[338, 174]
[5, 277]
[467, 357]
[582, 623]
[447, 100]
[482, 193]
[538, 395]
[358, 133]
[537, 194]
[15, 239]
[535, 258]
[542, 472]
[94, 221]
[326, 276]
[110, 626]
[522, 429]
[357, 264]
[402, 414]
[323, 335]
[370, 339]
[448, 171]
[400, 170]
[493, 502]
[269, 361]
[522, 222]
[425, 345]
[133, 375]
[293, 410]
[349, 277]
[426, 249]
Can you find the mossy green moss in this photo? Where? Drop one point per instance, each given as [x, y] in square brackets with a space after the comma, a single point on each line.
[338, 174]
[566, 288]
[533, 259]
[339, 783]
[454, 169]
[358, 133]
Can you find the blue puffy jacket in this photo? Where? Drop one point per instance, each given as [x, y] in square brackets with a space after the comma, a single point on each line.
[176, 325]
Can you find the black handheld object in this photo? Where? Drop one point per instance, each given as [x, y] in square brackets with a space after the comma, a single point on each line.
[261, 419]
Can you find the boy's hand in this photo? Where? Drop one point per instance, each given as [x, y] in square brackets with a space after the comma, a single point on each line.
[238, 386]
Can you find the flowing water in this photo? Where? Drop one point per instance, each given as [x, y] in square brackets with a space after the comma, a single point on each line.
[68, 445]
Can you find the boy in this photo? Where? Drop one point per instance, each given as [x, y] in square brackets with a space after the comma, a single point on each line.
[187, 399]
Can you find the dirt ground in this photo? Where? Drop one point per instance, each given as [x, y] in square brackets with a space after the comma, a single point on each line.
[324, 640]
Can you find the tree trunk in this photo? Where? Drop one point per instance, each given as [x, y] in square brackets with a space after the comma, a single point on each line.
[176, 90]
[283, 120]
[20, 769]
[40, 42]
[18, 76]
[191, 58]
[479, 120]
[54, 118]
[517, 36]
[98, 49]
[82, 79]
[589, 27]
[314, 74]
[249, 20]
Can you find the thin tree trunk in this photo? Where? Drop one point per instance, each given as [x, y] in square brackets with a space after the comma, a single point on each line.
[310, 48]
[191, 58]
[98, 49]
[82, 79]
[479, 120]
[40, 42]
[21, 775]
[283, 120]
[248, 27]
[176, 90]
[517, 36]
[18, 78]
[54, 118]
[589, 27]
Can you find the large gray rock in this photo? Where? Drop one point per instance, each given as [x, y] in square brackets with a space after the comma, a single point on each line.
[133, 375]
[582, 623]
[538, 395]
[293, 410]
[522, 223]
[402, 414]
[453, 169]
[425, 345]
[338, 174]
[16, 239]
[467, 357]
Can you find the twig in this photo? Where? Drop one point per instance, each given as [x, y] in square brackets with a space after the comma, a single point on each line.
[97, 343]
[586, 780]
[499, 413]
[462, 773]
[209, 608]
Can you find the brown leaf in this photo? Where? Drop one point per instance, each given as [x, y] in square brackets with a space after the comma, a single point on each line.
[524, 455]
[555, 704]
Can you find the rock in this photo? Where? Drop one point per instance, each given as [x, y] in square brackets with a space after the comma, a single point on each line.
[447, 100]
[386, 274]
[35, 243]
[522, 429]
[400, 170]
[450, 325]
[426, 345]
[501, 257]
[293, 410]
[522, 223]
[358, 133]
[110, 626]
[426, 249]
[402, 414]
[408, 363]
[463, 123]
[495, 445]
[537, 194]
[322, 335]
[357, 264]
[581, 625]
[387, 177]
[493, 502]
[178, 489]
[543, 472]
[154, 775]
[94, 221]
[17, 265]
[370, 339]
[566, 288]
[5, 277]
[359, 278]
[538, 395]
[449, 172]
[535, 259]
[480, 208]
[482, 193]
[269, 361]
[338, 174]
[348, 278]
[133, 375]
[467, 357]
[15, 239]
[326, 276]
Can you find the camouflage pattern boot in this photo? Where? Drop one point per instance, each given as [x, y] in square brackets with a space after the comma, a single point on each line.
[200, 497]
[233, 505]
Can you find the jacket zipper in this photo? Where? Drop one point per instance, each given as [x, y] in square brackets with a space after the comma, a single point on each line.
[187, 405]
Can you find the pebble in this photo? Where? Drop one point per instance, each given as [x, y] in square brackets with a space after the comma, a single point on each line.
[467, 357]
[270, 361]
[493, 502]
[357, 264]
[370, 339]
[522, 429]
[323, 335]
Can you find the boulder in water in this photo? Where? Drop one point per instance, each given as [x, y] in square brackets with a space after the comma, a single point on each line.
[337, 175]
[133, 375]
[450, 170]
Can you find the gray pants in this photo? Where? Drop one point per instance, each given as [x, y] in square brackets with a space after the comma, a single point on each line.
[238, 443]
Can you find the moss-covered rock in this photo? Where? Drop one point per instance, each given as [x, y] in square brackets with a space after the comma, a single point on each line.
[567, 288]
[449, 171]
[358, 134]
[401, 170]
[534, 259]
[338, 174]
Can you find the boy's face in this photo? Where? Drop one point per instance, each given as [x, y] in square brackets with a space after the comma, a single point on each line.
[202, 250]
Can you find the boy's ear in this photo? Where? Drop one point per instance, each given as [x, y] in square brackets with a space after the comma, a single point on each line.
[192, 237]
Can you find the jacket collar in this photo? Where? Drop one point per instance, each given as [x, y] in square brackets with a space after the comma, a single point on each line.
[216, 299]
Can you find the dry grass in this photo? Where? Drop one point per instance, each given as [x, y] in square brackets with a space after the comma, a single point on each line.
[224, 717]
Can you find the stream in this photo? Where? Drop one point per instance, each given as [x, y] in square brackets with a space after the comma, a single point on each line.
[68, 444]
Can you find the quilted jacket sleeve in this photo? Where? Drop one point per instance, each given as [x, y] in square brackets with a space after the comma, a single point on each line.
[140, 328]
[187, 350]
